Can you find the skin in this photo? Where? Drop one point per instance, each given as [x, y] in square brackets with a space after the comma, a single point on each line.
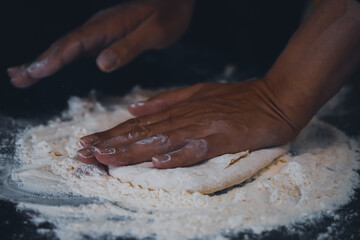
[116, 35]
[189, 125]
[204, 121]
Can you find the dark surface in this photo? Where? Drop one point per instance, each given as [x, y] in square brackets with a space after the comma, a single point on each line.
[253, 32]
[233, 32]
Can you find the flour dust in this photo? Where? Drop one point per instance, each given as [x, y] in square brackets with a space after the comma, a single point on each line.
[316, 177]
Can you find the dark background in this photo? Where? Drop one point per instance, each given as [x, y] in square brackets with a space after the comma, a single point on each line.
[248, 34]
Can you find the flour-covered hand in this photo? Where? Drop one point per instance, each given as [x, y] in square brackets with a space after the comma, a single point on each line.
[184, 127]
[116, 35]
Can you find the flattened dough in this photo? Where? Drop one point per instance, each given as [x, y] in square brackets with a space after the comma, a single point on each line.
[207, 177]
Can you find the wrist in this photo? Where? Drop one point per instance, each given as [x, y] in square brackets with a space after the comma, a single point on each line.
[295, 107]
[318, 59]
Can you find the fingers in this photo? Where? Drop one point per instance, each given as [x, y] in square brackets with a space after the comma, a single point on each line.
[20, 77]
[142, 132]
[145, 149]
[86, 155]
[12, 71]
[93, 36]
[194, 152]
[123, 51]
[57, 56]
[126, 132]
[163, 100]
[174, 149]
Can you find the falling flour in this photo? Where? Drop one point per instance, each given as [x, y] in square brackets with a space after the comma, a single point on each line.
[317, 175]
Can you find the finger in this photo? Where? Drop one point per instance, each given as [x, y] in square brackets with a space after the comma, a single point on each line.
[20, 77]
[142, 132]
[114, 132]
[145, 149]
[121, 132]
[57, 56]
[13, 71]
[120, 53]
[194, 152]
[86, 155]
[163, 101]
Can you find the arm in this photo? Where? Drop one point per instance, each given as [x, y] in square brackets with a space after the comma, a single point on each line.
[186, 126]
[318, 59]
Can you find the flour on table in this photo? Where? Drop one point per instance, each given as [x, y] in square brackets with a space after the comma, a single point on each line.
[317, 175]
[208, 177]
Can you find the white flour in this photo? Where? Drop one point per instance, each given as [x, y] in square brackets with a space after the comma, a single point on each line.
[318, 175]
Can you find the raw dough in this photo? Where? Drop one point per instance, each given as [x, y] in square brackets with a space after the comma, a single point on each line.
[207, 177]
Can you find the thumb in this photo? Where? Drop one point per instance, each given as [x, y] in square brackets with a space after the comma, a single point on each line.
[163, 101]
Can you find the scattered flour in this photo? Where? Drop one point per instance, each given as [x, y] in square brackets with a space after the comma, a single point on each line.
[317, 175]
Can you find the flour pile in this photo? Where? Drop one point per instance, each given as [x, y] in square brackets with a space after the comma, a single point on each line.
[315, 176]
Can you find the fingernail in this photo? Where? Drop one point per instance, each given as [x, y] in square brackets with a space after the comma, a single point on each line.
[138, 104]
[108, 61]
[21, 80]
[105, 151]
[162, 158]
[89, 140]
[11, 73]
[86, 153]
[21, 71]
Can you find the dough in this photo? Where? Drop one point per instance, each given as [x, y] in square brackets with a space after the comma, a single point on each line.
[207, 177]
[308, 185]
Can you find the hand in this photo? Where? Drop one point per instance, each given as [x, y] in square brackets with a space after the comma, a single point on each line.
[186, 126]
[119, 34]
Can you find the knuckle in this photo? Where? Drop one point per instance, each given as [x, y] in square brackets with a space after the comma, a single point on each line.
[202, 145]
[157, 139]
[138, 132]
[198, 149]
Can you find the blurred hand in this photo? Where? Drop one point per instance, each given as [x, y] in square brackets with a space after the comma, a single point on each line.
[117, 35]
[183, 127]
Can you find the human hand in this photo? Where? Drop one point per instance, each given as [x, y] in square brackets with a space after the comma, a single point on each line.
[118, 34]
[183, 127]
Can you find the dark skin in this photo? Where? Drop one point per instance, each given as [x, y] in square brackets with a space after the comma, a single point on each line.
[187, 126]
[205, 117]
[116, 35]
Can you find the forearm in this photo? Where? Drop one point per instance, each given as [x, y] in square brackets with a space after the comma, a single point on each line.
[318, 59]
